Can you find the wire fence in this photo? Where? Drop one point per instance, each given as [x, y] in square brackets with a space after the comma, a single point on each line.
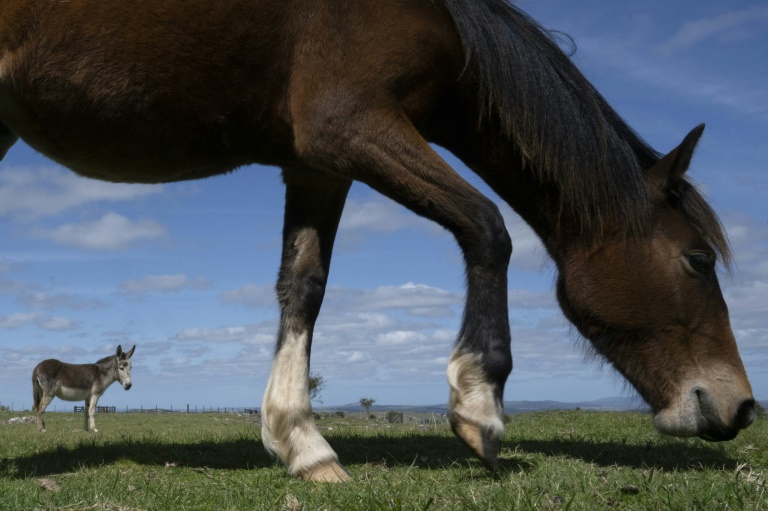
[389, 416]
[60, 407]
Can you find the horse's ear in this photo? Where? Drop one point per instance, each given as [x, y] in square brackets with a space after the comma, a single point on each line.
[119, 350]
[130, 353]
[671, 168]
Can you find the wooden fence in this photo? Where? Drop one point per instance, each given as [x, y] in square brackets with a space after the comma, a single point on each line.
[99, 409]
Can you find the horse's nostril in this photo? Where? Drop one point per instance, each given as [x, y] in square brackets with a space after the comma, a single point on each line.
[127, 387]
[746, 413]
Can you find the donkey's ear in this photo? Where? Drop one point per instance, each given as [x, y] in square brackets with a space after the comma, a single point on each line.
[130, 352]
[119, 350]
[671, 168]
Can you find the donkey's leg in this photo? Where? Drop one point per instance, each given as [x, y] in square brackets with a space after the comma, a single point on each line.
[42, 400]
[7, 139]
[88, 413]
[313, 206]
[383, 150]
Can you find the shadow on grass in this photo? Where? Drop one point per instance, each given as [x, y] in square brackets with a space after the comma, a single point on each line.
[421, 451]
[666, 456]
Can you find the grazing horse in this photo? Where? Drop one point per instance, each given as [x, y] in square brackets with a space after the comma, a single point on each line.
[79, 382]
[335, 92]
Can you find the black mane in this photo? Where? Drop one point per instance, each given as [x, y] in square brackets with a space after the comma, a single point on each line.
[566, 131]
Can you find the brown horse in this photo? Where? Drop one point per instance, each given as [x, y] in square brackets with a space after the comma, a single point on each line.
[334, 92]
[79, 382]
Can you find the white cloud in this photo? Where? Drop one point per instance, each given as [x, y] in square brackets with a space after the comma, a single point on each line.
[693, 32]
[749, 243]
[528, 253]
[251, 296]
[163, 284]
[527, 299]
[261, 334]
[382, 215]
[747, 304]
[32, 193]
[19, 320]
[399, 337]
[34, 296]
[44, 300]
[379, 214]
[56, 324]
[111, 232]
[414, 299]
[739, 93]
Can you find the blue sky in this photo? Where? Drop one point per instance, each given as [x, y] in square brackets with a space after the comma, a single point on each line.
[186, 271]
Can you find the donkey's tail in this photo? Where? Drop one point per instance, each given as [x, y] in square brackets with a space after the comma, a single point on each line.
[37, 392]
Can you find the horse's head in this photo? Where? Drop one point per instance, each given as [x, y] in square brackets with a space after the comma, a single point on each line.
[123, 368]
[652, 306]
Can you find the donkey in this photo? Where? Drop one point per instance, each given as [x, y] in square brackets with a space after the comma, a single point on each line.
[77, 382]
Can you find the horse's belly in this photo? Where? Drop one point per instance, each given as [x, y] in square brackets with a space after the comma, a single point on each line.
[73, 394]
[125, 128]
[135, 146]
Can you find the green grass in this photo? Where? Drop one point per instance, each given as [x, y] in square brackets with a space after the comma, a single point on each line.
[551, 460]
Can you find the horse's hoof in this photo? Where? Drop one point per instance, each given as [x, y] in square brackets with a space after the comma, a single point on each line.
[482, 443]
[328, 472]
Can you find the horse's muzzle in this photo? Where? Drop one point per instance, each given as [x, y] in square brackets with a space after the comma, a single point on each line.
[716, 431]
[127, 386]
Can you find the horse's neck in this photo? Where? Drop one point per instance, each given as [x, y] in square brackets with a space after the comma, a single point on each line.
[499, 164]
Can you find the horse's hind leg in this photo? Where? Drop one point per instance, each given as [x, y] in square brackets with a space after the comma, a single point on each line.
[313, 206]
[7, 139]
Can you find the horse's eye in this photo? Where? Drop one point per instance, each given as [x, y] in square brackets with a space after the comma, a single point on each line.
[700, 262]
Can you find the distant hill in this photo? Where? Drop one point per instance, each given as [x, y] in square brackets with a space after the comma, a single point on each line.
[510, 407]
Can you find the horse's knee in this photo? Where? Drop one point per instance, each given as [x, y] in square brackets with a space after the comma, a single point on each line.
[488, 245]
[301, 293]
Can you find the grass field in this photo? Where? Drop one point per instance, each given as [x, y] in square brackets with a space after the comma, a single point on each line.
[549, 460]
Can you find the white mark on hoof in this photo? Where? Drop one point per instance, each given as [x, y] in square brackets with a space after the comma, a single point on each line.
[475, 414]
[288, 428]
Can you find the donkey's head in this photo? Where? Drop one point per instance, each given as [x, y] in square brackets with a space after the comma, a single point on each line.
[652, 306]
[123, 367]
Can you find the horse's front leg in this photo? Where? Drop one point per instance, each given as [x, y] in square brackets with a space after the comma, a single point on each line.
[384, 150]
[313, 206]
